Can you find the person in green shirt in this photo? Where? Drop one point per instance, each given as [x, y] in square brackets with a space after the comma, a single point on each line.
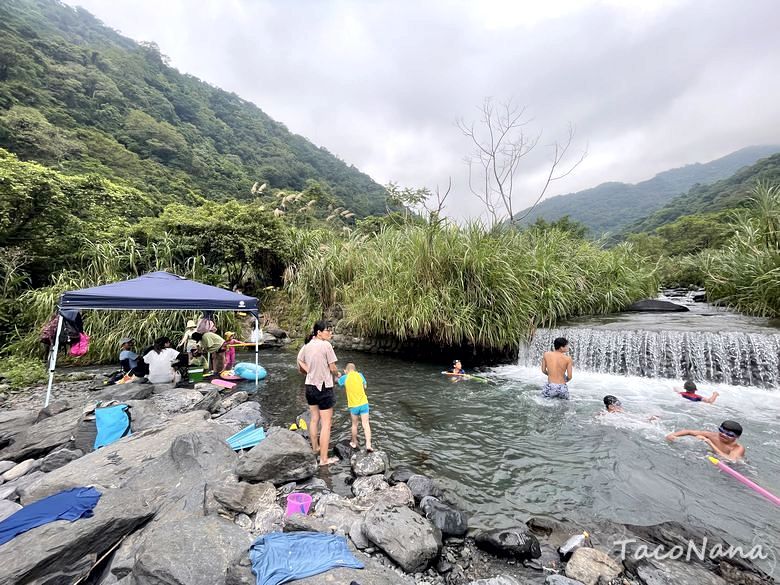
[214, 345]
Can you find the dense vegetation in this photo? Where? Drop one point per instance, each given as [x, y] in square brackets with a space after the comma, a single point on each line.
[612, 207]
[77, 95]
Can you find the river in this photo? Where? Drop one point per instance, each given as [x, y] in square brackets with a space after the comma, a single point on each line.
[508, 454]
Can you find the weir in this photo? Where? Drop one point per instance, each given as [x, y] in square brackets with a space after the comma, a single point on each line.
[741, 358]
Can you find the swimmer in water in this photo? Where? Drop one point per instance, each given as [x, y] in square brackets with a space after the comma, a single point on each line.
[724, 442]
[457, 368]
[612, 404]
[690, 393]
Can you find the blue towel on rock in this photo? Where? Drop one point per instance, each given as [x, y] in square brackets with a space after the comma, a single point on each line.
[280, 557]
[68, 505]
[113, 423]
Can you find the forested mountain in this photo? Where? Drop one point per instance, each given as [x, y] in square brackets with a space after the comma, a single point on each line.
[611, 207]
[729, 193]
[77, 95]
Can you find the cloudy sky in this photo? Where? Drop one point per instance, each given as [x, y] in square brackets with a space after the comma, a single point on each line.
[649, 85]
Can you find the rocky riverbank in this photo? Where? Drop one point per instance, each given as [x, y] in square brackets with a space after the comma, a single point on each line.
[179, 506]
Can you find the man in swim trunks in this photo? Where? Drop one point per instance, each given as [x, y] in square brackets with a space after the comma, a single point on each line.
[724, 442]
[690, 393]
[558, 367]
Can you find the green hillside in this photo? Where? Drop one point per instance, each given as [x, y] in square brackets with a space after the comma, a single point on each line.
[611, 207]
[729, 193]
[77, 95]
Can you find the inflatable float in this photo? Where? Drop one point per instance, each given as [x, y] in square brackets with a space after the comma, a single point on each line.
[248, 371]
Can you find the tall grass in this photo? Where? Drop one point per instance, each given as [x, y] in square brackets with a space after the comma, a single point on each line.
[745, 275]
[453, 285]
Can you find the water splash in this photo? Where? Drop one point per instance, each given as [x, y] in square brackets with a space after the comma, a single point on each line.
[748, 359]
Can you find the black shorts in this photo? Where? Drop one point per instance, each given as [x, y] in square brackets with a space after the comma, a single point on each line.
[321, 398]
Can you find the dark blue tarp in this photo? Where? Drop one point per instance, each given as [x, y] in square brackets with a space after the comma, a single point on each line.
[158, 291]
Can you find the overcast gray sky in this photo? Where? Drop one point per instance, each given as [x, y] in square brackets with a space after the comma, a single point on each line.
[649, 84]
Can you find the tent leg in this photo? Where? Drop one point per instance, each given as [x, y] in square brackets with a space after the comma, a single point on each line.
[55, 348]
[257, 352]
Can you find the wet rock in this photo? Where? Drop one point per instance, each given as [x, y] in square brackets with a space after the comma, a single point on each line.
[447, 519]
[422, 486]
[656, 306]
[243, 415]
[21, 469]
[344, 450]
[211, 402]
[368, 463]
[405, 536]
[7, 508]
[64, 552]
[517, 543]
[400, 474]
[245, 497]
[365, 485]
[55, 407]
[58, 458]
[549, 560]
[41, 438]
[589, 565]
[269, 519]
[560, 580]
[285, 456]
[6, 465]
[191, 551]
[397, 495]
[500, 580]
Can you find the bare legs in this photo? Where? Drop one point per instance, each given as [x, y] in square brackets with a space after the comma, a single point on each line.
[366, 431]
[319, 433]
[314, 428]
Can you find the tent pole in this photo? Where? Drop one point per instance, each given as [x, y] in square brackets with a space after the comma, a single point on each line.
[257, 352]
[53, 359]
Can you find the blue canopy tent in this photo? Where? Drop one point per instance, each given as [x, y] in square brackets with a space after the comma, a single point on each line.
[156, 291]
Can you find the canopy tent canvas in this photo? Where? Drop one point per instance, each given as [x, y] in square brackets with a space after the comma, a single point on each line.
[156, 291]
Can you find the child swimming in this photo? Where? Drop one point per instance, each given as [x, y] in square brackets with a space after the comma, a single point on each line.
[724, 442]
[690, 393]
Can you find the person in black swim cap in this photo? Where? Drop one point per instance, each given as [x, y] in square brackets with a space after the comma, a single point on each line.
[724, 442]
[612, 403]
[689, 393]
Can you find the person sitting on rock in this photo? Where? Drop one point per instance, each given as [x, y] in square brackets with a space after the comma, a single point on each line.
[724, 442]
[197, 359]
[357, 401]
[690, 393]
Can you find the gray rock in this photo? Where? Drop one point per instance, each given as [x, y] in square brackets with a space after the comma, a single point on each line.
[338, 514]
[144, 415]
[549, 560]
[517, 543]
[560, 580]
[55, 407]
[240, 572]
[401, 474]
[191, 551]
[373, 573]
[41, 438]
[422, 486]
[6, 465]
[244, 521]
[500, 580]
[656, 306]
[447, 519]
[357, 536]
[8, 492]
[204, 387]
[7, 507]
[405, 536]
[270, 519]
[589, 565]
[363, 486]
[174, 400]
[243, 415]
[367, 463]
[211, 402]
[285, 456]
[245, 497]
[671, 572]
[58, 458]
[21, 469]
[301, 523]
[397, 495]
[343, 449]
[125, 392]
[64, 552]
[234, 400]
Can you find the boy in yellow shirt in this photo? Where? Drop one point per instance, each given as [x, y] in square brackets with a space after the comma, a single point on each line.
[357, 401]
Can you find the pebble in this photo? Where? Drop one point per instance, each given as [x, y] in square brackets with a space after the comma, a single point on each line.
[21, 469]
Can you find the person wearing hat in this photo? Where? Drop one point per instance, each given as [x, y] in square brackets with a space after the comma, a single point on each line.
[187, 343]
[690, 390]
[724, 442]
[127, 356]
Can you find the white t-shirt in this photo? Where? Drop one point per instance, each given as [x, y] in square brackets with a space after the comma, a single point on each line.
[160, 369]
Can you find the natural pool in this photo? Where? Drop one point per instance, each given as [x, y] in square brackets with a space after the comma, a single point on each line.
[508, 454]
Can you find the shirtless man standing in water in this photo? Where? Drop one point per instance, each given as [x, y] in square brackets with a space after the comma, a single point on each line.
[558, 367]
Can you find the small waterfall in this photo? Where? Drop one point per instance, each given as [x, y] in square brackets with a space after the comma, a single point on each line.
[750, 359]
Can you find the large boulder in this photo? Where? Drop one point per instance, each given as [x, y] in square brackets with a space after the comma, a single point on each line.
[365, 485]
[657, 306]
[653, 572]
[517, 542]
[41, 438]
[283, 456]
[175, 400]
[368, 463]
[125, 392]
[55, 407]
[450, 521]
[212, 402]
[560, 580]
[397, 495]
[338, 514]
[245, 497]
[405, 536]
[590, 565]
[401, 474]
[243, 415]
[57, 459]
[190, 551]
[64, 552]
[422, 486]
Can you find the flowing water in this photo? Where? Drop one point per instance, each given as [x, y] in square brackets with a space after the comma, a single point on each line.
[509, 454]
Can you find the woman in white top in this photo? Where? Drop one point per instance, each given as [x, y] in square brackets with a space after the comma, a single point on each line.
[160, 360]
